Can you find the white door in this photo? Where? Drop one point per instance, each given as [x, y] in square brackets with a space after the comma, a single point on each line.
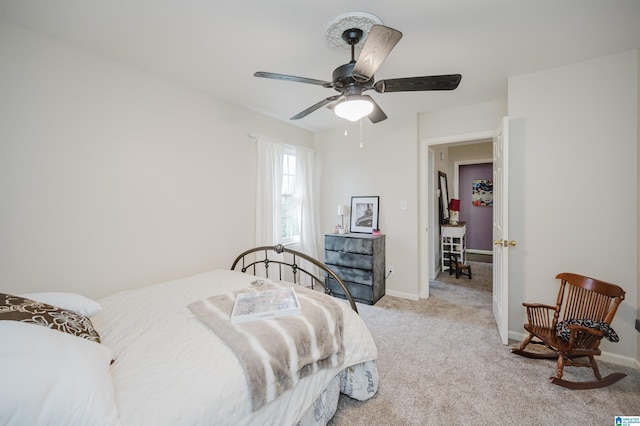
[500, 229]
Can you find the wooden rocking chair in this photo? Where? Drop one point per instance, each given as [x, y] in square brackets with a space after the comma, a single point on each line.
[574, 327]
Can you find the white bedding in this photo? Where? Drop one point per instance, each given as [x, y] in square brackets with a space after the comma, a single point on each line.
[170, 369]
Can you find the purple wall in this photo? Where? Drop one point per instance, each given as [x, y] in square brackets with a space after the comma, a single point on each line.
[479, 219]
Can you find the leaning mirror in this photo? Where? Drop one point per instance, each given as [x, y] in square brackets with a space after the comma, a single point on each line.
[444, 197]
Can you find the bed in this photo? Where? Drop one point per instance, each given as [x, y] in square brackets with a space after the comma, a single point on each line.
[169, 355]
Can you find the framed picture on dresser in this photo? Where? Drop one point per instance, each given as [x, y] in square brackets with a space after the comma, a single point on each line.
[364, 214]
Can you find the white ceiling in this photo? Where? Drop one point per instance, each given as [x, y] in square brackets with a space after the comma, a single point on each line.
[216, 46]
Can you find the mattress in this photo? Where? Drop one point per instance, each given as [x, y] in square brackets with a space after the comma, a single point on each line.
[169, 368]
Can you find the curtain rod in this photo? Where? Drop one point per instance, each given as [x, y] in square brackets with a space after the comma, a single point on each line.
[254, 137]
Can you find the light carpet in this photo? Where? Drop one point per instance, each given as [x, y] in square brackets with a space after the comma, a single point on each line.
[441, 362]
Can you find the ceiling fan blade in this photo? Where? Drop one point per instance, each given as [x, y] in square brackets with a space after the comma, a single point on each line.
[377, 115]
[414, 84]
[294, 78]
[315, 107]
[379, 43]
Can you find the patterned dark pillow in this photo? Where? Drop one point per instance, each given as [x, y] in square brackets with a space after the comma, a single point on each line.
[563, 331]
[17, 308]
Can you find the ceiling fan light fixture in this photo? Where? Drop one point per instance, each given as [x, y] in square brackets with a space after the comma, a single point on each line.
[350, 80]
[353, 107]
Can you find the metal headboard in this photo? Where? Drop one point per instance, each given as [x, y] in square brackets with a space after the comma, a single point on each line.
[258, 266]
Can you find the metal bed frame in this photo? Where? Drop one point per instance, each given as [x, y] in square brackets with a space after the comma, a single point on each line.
[259, 266]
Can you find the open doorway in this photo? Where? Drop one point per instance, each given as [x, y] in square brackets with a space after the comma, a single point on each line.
[438, 149]
[442, 155]
[470, 167]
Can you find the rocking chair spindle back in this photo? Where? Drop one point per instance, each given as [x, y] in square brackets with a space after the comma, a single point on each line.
[584, 310]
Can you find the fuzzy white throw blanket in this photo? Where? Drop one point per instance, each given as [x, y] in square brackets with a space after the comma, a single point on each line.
[277, 352]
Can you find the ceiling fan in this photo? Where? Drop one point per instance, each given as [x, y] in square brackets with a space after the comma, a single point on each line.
[356, 77]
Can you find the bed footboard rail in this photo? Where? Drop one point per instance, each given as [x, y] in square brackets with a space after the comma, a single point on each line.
[277, 257]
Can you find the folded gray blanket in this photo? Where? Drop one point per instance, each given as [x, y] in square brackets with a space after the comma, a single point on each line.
[276, 353]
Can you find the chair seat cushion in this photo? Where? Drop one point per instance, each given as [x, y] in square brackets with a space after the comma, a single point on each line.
[564, 332]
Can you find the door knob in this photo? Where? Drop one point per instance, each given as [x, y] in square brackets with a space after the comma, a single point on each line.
[504, 243]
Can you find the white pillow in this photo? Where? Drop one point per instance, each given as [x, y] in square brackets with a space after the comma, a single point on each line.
[71, 301]
[53, 378]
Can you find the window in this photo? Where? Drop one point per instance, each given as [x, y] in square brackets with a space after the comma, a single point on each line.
[290, 200]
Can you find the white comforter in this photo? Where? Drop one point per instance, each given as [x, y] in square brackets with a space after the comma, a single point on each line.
[170, 369]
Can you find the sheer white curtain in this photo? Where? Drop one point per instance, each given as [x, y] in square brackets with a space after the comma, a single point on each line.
[269, 195]
[268, 191]
[306, 189]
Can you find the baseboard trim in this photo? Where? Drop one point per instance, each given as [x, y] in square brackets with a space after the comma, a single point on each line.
[619, 359]
[478, 251]
[625, 361]
[402, 295]
[424, 290]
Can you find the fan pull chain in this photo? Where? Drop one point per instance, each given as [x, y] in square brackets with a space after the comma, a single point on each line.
[361, 133]
[345, 128]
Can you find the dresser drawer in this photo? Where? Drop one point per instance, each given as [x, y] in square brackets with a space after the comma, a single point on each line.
[360, 293]
[348, 244]
[351, 260]
[454, 231]
[360, 276]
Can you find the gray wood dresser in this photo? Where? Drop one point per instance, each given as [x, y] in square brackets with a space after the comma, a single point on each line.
[359, 260]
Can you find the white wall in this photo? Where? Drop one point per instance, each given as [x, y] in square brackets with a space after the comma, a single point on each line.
[573, 186]
[112, 178]
[453, 124]
[386, 166]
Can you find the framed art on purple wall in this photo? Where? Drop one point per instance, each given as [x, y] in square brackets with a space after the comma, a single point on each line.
[482, 192]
